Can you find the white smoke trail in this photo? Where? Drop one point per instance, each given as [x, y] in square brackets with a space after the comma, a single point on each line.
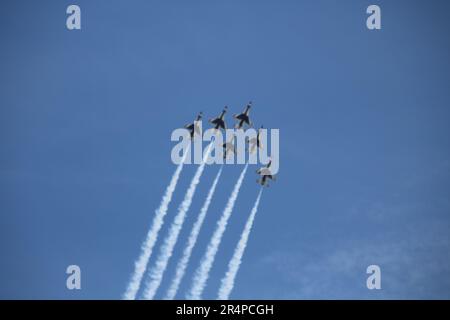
[166, 250]
[147, 246]
[202, 273]
[227, 283]
[182, 264]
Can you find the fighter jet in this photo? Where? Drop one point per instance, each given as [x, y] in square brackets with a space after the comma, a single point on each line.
[265, 174]
[228, 148]
[193, 127]
[255, 143]
[243, 117]
[219, 122]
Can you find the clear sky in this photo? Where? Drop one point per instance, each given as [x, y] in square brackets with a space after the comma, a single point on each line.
[86, 117]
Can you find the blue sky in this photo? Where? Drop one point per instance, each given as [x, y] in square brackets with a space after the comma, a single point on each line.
[364, 177]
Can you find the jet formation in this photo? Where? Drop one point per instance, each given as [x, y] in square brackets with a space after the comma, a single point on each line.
[242, 120]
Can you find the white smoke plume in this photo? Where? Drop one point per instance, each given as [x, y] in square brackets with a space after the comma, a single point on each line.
[183, 263]
[227, 283]
[202, 273]
[156, 274]
[147, 246]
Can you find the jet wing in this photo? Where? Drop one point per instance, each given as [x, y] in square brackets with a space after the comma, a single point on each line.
[219, 123]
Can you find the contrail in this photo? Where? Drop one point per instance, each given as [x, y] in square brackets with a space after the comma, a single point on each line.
[166, 250]
[202, 273]
[182, 264]
[235, 262]
[147, 246]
